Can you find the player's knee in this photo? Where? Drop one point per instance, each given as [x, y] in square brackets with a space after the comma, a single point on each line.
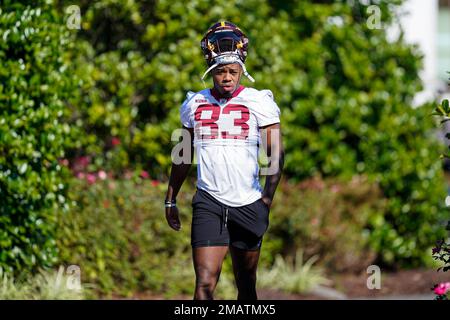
[206, 279]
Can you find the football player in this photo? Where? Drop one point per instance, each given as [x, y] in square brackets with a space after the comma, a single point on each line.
[228, 123]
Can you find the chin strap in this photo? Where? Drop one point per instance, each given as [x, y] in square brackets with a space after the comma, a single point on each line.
[227, 59]
[245, 71]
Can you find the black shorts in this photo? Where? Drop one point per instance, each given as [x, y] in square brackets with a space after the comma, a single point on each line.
[216, 224]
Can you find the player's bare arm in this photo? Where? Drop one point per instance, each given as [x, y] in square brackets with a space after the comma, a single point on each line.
[273, 147]
[178, 174]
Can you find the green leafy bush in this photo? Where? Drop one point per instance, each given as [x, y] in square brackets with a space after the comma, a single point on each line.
[118, 236]
[350, 111]
[441, 252]
[330, 219]
[33, 86]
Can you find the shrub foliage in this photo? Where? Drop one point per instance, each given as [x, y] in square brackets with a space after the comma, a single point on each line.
[33, 87]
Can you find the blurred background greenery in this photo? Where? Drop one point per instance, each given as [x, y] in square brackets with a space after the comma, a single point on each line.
[87, 116]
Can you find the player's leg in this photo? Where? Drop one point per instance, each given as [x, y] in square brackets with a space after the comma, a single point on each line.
[246, 228]
[209, 240]
[245, 263]
[207, 264]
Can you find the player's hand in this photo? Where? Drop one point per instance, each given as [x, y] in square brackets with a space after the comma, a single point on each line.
[173, 218]
[267, 201]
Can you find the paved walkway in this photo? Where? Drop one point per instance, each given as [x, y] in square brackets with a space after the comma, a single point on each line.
[331, 294]
[400, 297]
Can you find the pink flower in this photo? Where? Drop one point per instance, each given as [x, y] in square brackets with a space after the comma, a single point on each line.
[442, 288]
[102, 175]
[335, 188]
[91, 178]
[80, 175]
[83, 161]
[155, 183]
[64, 162]
[115, 141]
[144, 174]
[112, 186]
[128, 174]
[80, 163]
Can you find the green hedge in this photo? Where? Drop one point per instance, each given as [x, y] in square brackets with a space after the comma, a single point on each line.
[119, 237]
[328, 218]
[33, 85]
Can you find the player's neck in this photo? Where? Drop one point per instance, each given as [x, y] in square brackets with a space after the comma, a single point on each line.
[217, 95]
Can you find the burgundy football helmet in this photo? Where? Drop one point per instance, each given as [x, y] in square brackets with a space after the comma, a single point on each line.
[225, 43]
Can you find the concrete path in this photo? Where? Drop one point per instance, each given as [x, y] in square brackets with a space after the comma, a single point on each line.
[332, 294]
[400, 297]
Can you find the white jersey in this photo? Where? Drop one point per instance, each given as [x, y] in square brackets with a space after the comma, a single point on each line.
[226, 141]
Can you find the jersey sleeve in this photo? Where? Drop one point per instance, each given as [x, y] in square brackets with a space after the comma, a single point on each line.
[267, 111]
[185, 111]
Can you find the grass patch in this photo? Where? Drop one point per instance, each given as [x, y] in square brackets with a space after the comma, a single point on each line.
[293, 276]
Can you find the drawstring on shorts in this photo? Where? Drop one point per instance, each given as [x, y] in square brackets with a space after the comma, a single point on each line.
[224, 217]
